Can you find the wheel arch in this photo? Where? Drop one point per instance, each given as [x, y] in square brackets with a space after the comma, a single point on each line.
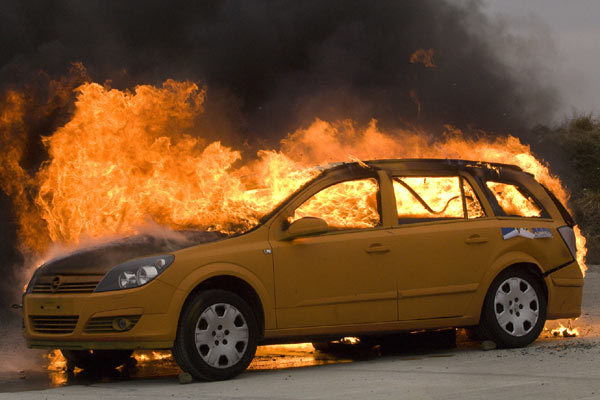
[238, 286]
[515, 260]
[235, 279]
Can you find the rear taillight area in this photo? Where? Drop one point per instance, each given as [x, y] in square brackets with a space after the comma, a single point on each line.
[568, 235]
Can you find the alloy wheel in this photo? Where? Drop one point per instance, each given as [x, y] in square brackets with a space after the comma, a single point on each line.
[516, 306]
[221, 335]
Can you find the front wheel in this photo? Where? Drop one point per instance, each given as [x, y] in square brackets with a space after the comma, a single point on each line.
[514, 311]
[217, 336]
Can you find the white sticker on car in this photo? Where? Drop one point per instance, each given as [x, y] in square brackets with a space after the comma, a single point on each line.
[529, 233]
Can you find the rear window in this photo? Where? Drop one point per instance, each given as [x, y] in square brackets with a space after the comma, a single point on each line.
[515, 200]
[563, 211]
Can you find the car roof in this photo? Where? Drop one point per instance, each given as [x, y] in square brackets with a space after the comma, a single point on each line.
[423, 163]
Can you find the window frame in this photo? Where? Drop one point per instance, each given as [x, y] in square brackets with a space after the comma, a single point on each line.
[279, 222]
[523, 189]
[463, 178]
[377, 196]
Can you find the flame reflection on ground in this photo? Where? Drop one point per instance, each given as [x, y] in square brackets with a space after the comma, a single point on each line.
[160, 364]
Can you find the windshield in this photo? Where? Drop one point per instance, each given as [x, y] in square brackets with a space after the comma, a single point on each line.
[279, 205]
[266, 202]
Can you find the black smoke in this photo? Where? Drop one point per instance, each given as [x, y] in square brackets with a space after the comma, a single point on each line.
[279, 63]
[272, 66]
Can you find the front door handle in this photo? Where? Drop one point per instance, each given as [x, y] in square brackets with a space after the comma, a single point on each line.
[476, 239]
[377, 248]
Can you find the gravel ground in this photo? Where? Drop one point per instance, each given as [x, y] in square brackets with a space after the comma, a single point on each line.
[551, 367]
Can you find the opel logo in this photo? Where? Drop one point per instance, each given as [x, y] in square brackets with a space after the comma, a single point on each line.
[55, 285]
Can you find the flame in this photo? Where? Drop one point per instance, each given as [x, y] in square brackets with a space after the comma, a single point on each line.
[129, 157]
[56, 361]
[564, 331]
[143, 357]
[512, 201]
[350, 340]
[443, 194]
[423, 56]
[344, 205]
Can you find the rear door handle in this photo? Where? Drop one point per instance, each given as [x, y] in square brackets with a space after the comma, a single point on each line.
[475, 239]
[377, 248]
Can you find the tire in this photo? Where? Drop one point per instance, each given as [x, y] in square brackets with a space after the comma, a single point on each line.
[97, 359]
[216, 337]
[514, 311]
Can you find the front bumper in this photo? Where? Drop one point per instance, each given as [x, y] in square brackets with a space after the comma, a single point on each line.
[153, 307]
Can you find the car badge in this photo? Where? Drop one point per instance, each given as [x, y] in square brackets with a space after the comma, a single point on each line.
[55, 285]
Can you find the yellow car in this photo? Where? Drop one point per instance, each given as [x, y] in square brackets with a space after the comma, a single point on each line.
[364, 249]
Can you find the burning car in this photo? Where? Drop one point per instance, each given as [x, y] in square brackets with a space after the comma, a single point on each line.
[365, 249]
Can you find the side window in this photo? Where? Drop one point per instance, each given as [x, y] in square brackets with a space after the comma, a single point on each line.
[474, 209]
[425, 198]
[345, 205]
[514, 200]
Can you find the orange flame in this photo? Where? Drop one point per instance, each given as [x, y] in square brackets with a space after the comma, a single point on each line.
[56, 361]
[142, 357]
[129, 157]
[564, 331]
[423, 56]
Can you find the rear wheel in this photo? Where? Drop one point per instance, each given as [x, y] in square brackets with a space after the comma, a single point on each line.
[97, 359]
[217, 336]
[514, 310]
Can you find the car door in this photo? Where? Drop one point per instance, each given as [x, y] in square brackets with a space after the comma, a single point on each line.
[339, 277]
[442, 243]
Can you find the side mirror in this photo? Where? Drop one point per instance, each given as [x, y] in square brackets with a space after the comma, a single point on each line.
[306, 226]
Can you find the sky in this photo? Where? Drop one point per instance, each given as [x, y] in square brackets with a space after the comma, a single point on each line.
[567, 36]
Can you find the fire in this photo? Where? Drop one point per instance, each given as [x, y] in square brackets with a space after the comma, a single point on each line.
[423, 56]
[341, 209]
[511, 200]
[56, 361]
[139, 163]
[126, 158]
[565, 331]
[142, 357]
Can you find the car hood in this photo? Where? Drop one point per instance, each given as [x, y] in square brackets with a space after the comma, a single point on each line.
[99, 259]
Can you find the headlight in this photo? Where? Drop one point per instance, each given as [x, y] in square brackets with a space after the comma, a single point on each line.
[134, 273]
[33, 279]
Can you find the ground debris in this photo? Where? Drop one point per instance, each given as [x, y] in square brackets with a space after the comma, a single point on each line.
[185, 378]
[488, 345]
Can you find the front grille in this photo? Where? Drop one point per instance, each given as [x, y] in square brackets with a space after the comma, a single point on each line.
[107, 324]
[66, 284]
[53, 323]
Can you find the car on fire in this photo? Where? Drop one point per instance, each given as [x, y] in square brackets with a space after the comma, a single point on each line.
[365, 249]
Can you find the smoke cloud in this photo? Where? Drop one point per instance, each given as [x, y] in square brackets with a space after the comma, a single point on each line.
[277, 64]
[269, 68]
